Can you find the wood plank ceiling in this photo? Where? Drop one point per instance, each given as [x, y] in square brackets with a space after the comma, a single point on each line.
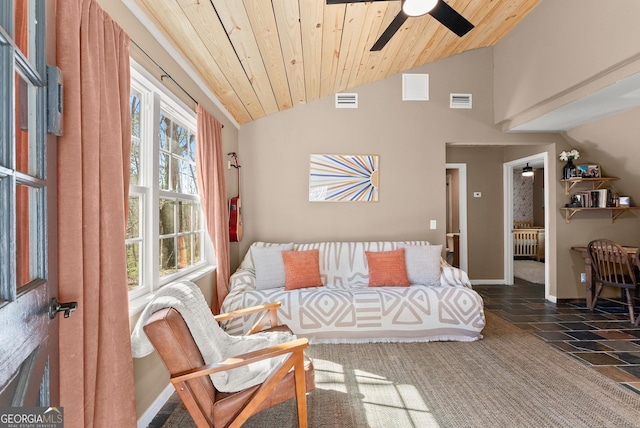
[263, 56]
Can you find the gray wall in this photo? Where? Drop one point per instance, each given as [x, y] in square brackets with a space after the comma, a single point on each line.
[410, 138]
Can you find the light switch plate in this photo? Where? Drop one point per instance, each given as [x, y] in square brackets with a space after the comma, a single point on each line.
[477, 194]
[432, 224]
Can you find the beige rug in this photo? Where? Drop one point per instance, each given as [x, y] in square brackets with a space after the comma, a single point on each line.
[529, 270]
[510, 378]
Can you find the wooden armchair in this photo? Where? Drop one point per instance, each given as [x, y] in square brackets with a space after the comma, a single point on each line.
[170, 336]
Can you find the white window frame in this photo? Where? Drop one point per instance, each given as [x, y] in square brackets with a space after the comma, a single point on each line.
[156, 97]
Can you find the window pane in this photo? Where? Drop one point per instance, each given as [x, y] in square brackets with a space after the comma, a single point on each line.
[184, 212]
[187, 178]
[135, 161]
[192, 147]
[184, 246]
[21, 23]
[133, 217]
[133, 265]
[182, 142]
[165, 131]
[135, 137]
[163, 171]
[27, 29]
[167, 256]
[167, 217]
[24, 151]
[176, 184]
[176, 132]
[196, 217]
[27, 201]
[135, 113]
[197, 250]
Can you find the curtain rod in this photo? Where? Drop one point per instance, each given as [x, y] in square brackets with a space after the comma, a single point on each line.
[165, 74]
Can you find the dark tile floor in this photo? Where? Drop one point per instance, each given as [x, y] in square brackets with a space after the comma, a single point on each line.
[603, 339]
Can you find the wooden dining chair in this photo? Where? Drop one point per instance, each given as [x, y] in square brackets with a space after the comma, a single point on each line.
[636, 260]
[613, 267]
[172, 339]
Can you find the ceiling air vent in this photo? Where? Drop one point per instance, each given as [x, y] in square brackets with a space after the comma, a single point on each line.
[346, 100]
[460, 101]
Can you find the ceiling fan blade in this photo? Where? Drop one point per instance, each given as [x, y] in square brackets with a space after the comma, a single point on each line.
[451, 19]
[390, 31]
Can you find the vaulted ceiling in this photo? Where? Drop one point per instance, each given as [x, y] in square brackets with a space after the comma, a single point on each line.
[263, 56]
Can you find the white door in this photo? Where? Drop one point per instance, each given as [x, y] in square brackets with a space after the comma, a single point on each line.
[28, 336]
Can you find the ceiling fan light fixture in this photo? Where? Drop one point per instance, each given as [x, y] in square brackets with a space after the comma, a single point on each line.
[527, 171]
[418, 7]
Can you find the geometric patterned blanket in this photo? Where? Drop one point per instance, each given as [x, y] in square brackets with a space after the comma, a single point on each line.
[345, 310]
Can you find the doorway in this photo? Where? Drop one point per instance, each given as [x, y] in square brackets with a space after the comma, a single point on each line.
[526, 220]
[456, 205]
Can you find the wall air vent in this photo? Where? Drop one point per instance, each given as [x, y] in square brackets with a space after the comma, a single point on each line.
[460, 101]
[346, 100]
[415, 87]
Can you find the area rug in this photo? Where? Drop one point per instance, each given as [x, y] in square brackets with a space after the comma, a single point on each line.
[510, 378]
[529, 270]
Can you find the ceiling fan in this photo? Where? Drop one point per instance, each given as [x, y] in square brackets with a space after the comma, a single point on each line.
[436, 8]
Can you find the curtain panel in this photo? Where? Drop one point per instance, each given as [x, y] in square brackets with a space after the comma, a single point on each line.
[213, 196]
[96, 366]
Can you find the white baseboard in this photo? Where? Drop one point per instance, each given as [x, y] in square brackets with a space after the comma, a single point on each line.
[155, 407]
[488, 281]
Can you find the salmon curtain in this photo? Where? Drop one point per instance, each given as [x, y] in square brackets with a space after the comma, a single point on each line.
[213, 196]
[96, 366]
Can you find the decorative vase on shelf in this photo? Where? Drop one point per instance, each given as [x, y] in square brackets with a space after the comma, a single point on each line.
[569, 170]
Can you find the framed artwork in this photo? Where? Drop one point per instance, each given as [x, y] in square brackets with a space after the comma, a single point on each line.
[343, 178]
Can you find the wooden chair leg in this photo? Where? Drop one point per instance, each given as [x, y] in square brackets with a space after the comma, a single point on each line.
[301, 392]
[630, 305]
[594, 300]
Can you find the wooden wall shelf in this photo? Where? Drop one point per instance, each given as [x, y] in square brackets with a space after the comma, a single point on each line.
[569, 212]
[596, 183]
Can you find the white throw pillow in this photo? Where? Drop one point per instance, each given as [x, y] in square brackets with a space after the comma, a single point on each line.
[269, 265]
[423, 263]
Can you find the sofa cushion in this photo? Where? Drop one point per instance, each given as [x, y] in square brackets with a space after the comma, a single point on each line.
[269, 265]
[301, 269]
[423, 263]
[387, 268]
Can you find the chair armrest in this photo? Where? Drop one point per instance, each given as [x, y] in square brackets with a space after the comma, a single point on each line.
[270, 317]
[293, 346]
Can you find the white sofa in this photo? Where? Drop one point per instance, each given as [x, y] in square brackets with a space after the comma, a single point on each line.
[346, 310]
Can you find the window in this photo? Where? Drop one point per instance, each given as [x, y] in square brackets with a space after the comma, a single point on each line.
[165, 231]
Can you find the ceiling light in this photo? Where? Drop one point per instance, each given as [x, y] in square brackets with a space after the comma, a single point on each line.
[418, 7]
[527, 171]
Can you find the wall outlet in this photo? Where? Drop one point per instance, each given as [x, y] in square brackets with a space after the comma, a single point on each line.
[432, 224]
[477, 194]
[583, 277]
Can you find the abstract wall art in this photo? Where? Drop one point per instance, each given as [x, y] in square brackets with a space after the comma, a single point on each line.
[343, 178]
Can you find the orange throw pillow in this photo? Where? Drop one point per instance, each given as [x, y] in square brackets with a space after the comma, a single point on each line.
[387, 268]
[301, 269]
